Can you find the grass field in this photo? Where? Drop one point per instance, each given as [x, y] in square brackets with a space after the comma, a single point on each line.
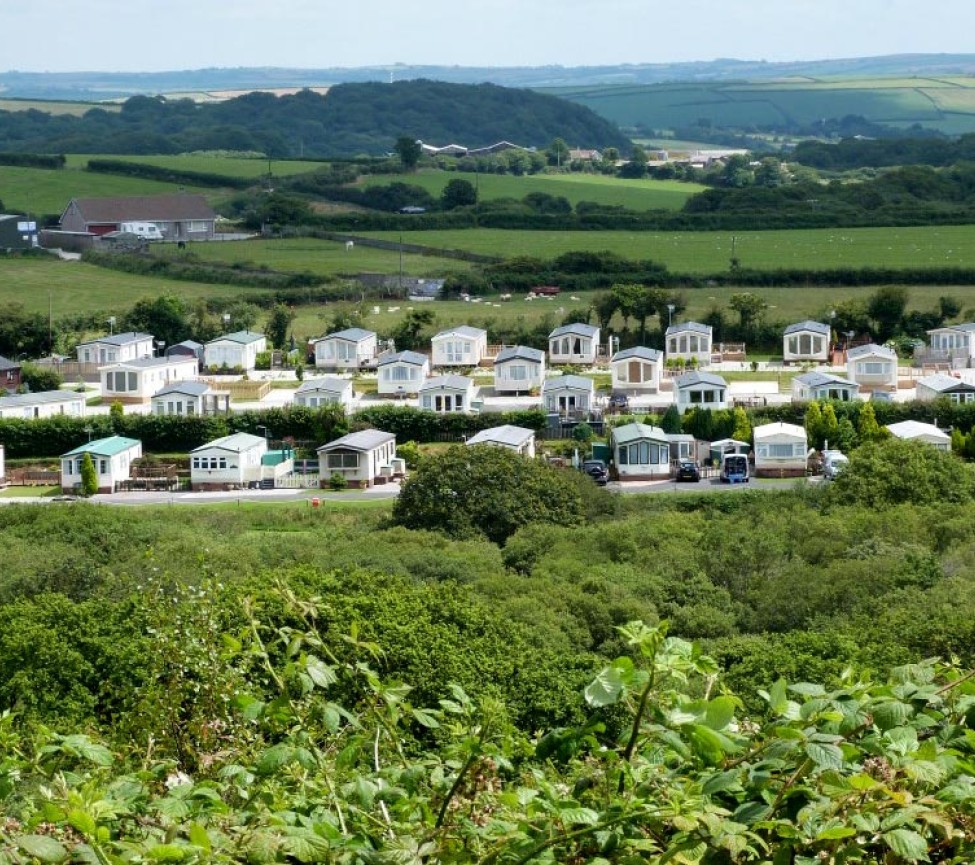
[230, 166]
[576, 187]
[52, 106]
[709, 252]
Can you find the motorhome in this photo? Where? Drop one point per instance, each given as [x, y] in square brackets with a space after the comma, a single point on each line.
[734, 469]
[147, 230]
[833, 463]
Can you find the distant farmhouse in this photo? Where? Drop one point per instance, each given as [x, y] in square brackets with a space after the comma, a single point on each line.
[179, 217]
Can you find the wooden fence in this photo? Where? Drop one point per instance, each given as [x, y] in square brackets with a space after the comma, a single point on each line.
[241, 390]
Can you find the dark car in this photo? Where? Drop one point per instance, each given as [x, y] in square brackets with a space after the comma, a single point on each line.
[618, 402]
[687, 470]
[596, 469]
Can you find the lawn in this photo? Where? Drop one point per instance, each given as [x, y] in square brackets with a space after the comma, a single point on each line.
[37, 492]
[634, 194]
[709, 252]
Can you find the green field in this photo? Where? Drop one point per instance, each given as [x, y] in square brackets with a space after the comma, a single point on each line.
[576, 187]
[229, 165]
[53, 106]
[709, 252]
[947, 103]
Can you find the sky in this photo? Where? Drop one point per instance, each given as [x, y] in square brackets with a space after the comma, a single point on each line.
[157, 35]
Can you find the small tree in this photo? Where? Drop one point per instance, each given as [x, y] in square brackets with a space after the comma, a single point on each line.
[409, 151]
[458, 193]
[813, 422]
[868, 430]
[89, 477]
[830, 429]
[117, 415]
[582, 433]
[278, 322]
[671, 421]
[743, 427]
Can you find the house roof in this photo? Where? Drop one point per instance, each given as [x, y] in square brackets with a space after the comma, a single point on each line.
[243, 337]
[967, 326]
[689, 379]
[236, 443]
[871, 348]
[814, 326]
[118, 339]
[107, 447]
[330, 383]
[40, 398]
[815, 379]
[149, 362]
[515, 436]
[193, 388]
[462, 330]
[414, 358]
[364, 440]
[638, 351]
[577, 328]
[162, 208]
[944, 383]
[631, 432]
[688, 325]
[519, 352]
[8, 364]
[187, 343]
[909, 429]
[450, 382]
[778, 428]
[568, 382]
[352, 334]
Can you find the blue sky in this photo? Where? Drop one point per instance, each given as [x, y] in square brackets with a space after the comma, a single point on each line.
[153, 35]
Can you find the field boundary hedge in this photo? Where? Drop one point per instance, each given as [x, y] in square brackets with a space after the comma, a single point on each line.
[170, 175]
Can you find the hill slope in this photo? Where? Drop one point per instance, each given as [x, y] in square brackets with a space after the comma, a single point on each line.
[350, 119]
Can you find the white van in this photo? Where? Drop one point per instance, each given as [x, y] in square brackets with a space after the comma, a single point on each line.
[147, 230]
[833, 463]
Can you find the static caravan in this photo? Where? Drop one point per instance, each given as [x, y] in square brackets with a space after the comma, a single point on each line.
[569, 395]
[519, 369]
[872, 367]
[401, 374]
[447, 394]
[636, 369]
[781, 450]
[459, 346]
[912, 430]
[806, 342]
[689, 341]
[574, 344]
[329, 390]
[640, 452]
[823, 386]
[345, 350]
[362, 458]
[701, 390]
[516, 438]
[112, 458]
[937, 386]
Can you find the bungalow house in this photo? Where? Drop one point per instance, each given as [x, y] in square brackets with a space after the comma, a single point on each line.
[912, 430]
[447, 394]
[459, 346]
[515, 438]
[954, 341]
[640, 452]
[519, 369]
[701, 390]
[9, 374]
[190, 398]
[689, 341]
[361, 458]
[112, 458]
[47, 403]
[568, 394]
[575, 343]
[179, 216]
[401, 373]
[330, 390]
[136, 381]
[345, 349]
[806, 341]
[823, 386]
[186, 348]
[237, 350]
[117, 347]
[932, 387]
[233, 460]
[636, 369]
[781, 450]
[872, 366]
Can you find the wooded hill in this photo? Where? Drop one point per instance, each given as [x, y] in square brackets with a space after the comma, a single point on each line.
[350, 119]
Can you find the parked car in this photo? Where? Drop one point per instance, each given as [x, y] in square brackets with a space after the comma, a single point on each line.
[618, 402]
[833, 463]
[597, 470]
[687, 470]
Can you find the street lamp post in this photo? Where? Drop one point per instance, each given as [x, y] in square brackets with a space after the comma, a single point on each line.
[111, 325]
[670, 314]
[160, 344]
[267, 435]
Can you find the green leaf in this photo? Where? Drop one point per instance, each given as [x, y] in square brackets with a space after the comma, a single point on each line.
[42, 847]
[825, 755]
[305, 845]
[907, 844]
[720, 712]
[319, 672]
[274, 758]
[82, 821]
[199, 837]
[835, 833]
[426, 718]
[579, 816]
[606, 688]
[168, 853]
[808, 689]
[892, 714]
[82, 746]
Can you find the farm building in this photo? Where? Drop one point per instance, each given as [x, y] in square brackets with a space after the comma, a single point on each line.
[932, 387]
[519, 369]
[362, 458]
[112, 458]
[178, 217]
[574, 344]
[47, 403]
[329, 390]
[806, 341]
[401, 374]
[636, 369]
[689, 341]
[459, 346]
[190, 398]
[823, 386]
[116, 347]
[345, 350]
[872, 367]
[781, 450]
[515, 438]
[447, 394]
[701, 390]
[569, 395]
[912, 430]
[234, 350]
[16, 232]
[640, 452]
[135, 381]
